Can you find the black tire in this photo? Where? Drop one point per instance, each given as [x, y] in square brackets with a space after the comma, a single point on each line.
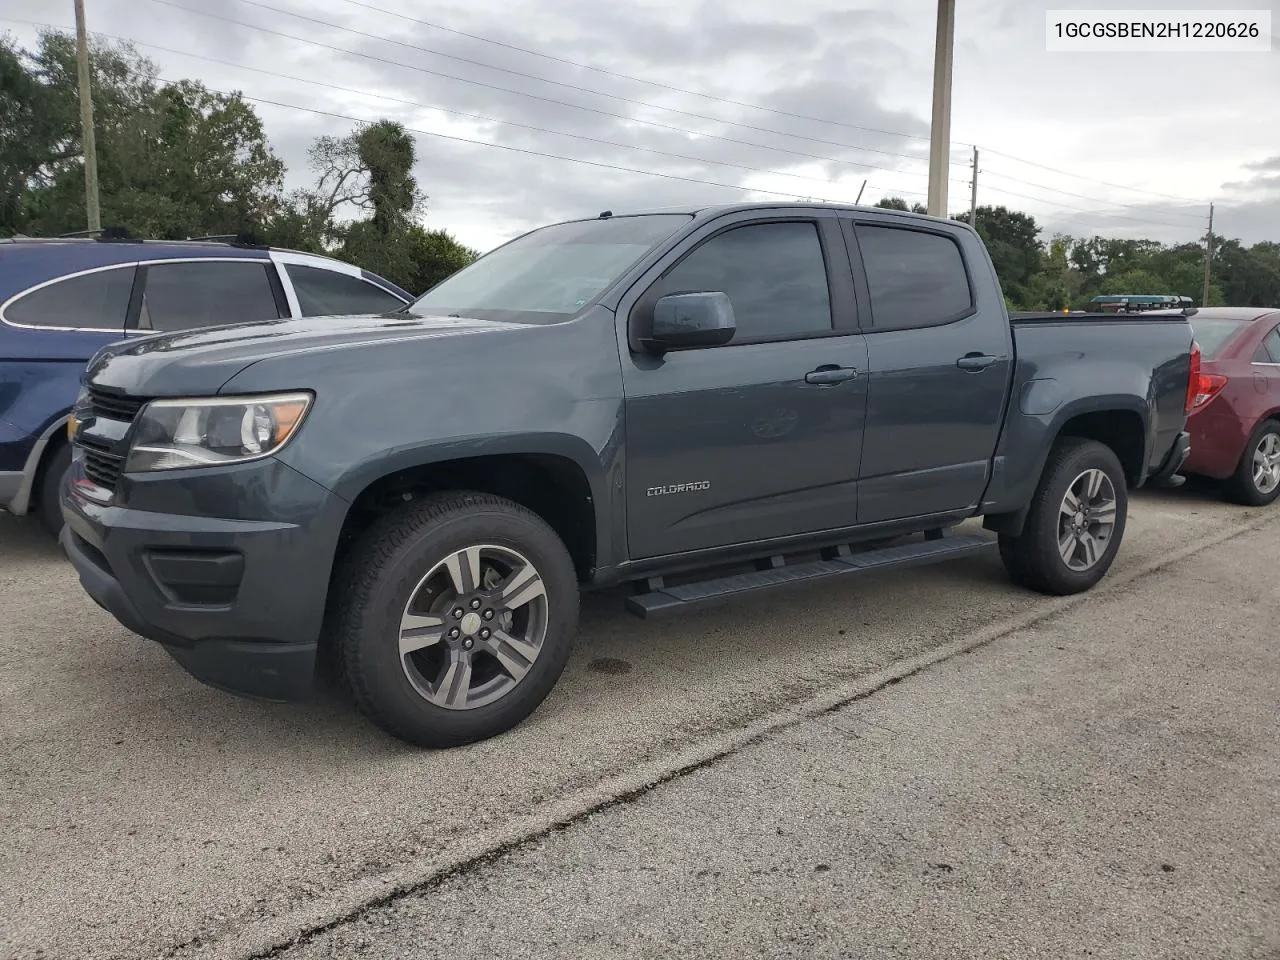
[1240, 487]
[385, 569]
[49, 493]
[1032, 558]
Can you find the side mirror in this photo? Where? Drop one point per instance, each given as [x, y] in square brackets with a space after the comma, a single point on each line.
[691, 320]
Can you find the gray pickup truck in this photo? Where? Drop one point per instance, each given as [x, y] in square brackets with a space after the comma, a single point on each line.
[698, 404]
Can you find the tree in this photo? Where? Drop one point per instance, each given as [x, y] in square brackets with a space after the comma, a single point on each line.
[1013, 240]
[435, 255]
[897, 203]
[29, 132]
[174, 160]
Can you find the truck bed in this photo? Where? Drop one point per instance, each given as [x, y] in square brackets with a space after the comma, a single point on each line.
[1172, 316]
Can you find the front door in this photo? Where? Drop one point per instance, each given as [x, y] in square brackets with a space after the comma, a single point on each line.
[761, 437]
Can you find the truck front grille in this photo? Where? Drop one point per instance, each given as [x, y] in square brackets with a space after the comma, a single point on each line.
[102, 468]
[114, 406]
[104, 460]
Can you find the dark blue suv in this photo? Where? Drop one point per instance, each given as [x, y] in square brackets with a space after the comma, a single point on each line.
[63, 299]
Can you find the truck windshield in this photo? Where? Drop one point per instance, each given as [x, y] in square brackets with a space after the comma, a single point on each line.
[550, 274]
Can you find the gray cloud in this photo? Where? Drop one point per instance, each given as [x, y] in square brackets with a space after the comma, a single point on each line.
[1118, 120]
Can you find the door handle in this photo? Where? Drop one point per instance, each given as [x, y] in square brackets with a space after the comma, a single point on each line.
[975, 362]
[829, 373]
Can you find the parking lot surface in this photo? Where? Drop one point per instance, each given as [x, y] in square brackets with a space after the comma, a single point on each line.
[146, 815]
[1100, 784]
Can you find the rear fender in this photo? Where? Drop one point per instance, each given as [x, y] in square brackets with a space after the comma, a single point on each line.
[1031, 439]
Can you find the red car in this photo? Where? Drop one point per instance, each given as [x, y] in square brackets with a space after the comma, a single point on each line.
[1235, 421]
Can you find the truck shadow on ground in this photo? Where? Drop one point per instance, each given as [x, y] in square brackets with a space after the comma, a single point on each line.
[805, 636]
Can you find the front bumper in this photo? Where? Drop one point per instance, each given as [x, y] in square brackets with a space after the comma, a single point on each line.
[239, 603]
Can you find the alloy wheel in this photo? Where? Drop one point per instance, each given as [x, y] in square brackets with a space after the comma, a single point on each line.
[473, 627]
[1086, 520]
[1266, 463]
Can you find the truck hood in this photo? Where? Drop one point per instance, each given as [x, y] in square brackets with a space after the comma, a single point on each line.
[199, 362]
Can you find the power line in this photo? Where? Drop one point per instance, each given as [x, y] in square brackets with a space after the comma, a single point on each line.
[1079, 176]
[516, 73]
[622, 117]
[1081, 196]
[485, 119]
[636, 102]
[1116, 216]
[525, 150]
[742, 103]
[634, 79]
[650, 123]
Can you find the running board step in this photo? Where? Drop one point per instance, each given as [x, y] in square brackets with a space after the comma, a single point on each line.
[669, 598]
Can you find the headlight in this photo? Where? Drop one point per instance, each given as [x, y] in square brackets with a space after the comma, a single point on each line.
[173, 434]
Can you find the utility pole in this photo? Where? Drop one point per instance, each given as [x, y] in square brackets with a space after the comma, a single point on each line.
[1208, 260]
[973, 194]
[86, 123]
[940, 129]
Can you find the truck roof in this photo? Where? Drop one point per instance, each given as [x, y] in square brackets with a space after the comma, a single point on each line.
[718, 209]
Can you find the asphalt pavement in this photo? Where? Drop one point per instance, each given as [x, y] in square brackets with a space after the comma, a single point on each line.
[144, 815]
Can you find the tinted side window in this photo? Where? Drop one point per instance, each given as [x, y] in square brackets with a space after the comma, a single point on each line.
[182, 296]
[917, 279]
[1269, 351]
[773, 273]
[98, 301]
[326, 292]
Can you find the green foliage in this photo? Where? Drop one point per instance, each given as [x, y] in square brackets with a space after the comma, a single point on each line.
[174, 160]
[435, 255]
[897, 203]
[1013, 240]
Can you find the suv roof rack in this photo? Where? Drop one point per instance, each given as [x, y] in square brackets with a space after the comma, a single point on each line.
[235, 239]
[102, 233]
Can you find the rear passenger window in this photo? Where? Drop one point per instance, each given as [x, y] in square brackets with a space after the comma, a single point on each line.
[917, 279]
[183, 296]
[1269, 350]
[324, 293]
[773, 273]
[91, 301]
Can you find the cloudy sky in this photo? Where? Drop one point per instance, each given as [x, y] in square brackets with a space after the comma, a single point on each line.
[734, 99]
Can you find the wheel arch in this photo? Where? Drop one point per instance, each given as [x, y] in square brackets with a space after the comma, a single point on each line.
[544, 478]
[1121, 423]
[51, 438]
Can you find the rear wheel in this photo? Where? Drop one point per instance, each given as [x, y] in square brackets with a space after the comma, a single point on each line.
[1076, 521]
[1256, 481]
[49, 494]
[456, 619]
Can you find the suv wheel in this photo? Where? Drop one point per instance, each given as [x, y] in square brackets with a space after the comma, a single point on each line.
[1076, 521]
[1256, 481]
[49, 493]
[456, 618]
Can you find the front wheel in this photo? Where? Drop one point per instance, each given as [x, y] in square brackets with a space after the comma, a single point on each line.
[52, 474]
[456, 618]
[1076, 521]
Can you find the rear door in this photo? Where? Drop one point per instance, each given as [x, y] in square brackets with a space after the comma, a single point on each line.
[47, 334]
[188, 294]
[732, 444]
[70, 317]
[940, 363]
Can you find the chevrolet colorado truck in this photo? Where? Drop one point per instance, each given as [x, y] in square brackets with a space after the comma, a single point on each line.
[699, 405]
